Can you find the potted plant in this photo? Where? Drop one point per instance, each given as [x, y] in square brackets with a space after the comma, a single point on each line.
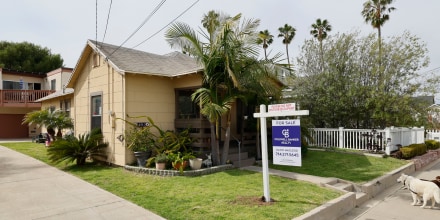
[195, 163]
[161, 159]
[141, 141]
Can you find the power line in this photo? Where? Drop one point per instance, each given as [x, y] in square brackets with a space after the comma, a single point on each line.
[140, 26]
[96, 20]
[167, 24]
[432, 70]
[108, 18]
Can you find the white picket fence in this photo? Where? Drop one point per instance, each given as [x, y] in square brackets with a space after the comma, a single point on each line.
[433, 135]
[387, 140]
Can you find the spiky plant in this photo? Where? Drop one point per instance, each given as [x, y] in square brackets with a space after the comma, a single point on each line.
[78, 149]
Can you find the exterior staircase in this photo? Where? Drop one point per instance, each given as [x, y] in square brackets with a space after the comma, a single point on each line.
[347, 186]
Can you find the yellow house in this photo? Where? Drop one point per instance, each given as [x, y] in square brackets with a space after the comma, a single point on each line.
[111, 82]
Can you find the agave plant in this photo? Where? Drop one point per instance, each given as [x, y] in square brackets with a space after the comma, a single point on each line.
[78, 149]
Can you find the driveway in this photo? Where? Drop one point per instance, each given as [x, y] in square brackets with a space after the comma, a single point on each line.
[31, 189]
[395, 202]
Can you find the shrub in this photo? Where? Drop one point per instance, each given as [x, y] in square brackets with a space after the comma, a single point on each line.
[432, 144]
[78, 149]
[413, 150]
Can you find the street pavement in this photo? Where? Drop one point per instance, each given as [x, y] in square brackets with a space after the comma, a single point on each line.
[395, 202]
[31, 189]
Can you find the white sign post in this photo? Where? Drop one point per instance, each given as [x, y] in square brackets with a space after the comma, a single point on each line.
[276, 111]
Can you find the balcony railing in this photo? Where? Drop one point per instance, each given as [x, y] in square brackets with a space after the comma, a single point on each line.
[22, 98]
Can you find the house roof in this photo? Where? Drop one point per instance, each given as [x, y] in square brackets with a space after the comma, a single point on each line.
[140, 62]
[56, 94]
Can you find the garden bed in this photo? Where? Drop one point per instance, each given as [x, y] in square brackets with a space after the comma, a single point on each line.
[204, 171]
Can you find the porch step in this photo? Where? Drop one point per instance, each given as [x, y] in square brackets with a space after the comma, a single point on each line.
[361, 197]
[344, 186]
[244, 162]
[236, 156]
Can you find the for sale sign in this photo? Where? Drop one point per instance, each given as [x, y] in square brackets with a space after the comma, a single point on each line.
[286, 142]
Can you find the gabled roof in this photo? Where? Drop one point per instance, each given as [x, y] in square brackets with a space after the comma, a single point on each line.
[140, 62]
[127, 60]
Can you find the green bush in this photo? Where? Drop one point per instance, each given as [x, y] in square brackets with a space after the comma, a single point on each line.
[413, 150]
[77, 149]
[432, 144]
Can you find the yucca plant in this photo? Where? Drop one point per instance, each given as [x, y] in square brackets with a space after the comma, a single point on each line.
[78, 149]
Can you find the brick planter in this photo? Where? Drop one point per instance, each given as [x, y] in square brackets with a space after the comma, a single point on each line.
[423, 160]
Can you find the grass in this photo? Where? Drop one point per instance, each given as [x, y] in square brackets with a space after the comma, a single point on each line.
[350, 166]
[233, 194]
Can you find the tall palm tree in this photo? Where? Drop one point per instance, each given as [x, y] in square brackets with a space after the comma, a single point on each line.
[226, 59]
[265, 38]
[319, 31]
[210, 22]
[376, 12]
[287, 32]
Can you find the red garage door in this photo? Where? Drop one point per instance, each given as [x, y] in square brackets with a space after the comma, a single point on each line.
[11, 127]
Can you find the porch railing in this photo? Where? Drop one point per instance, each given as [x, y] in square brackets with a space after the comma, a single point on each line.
[387, 139]
[22, 96]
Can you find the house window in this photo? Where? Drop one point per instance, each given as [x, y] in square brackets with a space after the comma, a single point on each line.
[53, 84]
[11, 85]
[52, 109]
[96, 111]
[186, 108]
[96, 60]
[65, 106]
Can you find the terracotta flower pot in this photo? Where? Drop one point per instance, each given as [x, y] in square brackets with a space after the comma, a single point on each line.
[160, 166]
[178, 165]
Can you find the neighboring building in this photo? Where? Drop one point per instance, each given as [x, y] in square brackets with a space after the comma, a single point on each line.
[18, 92]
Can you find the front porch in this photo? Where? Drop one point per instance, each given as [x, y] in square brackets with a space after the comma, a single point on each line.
[242, 148]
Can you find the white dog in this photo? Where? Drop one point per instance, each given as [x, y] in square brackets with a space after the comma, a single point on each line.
[421, 189]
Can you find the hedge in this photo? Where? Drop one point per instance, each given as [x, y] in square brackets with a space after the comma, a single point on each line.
[413, 150]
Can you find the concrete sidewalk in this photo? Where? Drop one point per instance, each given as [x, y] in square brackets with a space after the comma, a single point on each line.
[395, 202]
[30, 189]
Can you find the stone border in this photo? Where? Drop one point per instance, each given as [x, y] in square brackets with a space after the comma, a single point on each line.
[170, 173]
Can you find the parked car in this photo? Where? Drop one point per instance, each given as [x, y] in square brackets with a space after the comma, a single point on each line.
[41, 138]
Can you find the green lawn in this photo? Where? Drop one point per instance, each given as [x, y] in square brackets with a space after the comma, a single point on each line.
[232, 194]
[344, 165]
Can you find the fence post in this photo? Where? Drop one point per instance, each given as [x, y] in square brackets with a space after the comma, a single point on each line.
[388, 140]
[341, 137]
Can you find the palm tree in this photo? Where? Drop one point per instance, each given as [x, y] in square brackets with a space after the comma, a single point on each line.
[376, 12]
[51, 120]
[265, 38]
[287, 32]
[319, 31]
[226, 59]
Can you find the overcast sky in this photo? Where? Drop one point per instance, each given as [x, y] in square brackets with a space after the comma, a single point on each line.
[64, 26]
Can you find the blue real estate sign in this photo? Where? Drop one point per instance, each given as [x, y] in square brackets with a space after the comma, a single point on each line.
[286, 142]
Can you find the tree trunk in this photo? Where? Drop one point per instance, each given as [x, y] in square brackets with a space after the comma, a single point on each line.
[214, 145]
[226, 144]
